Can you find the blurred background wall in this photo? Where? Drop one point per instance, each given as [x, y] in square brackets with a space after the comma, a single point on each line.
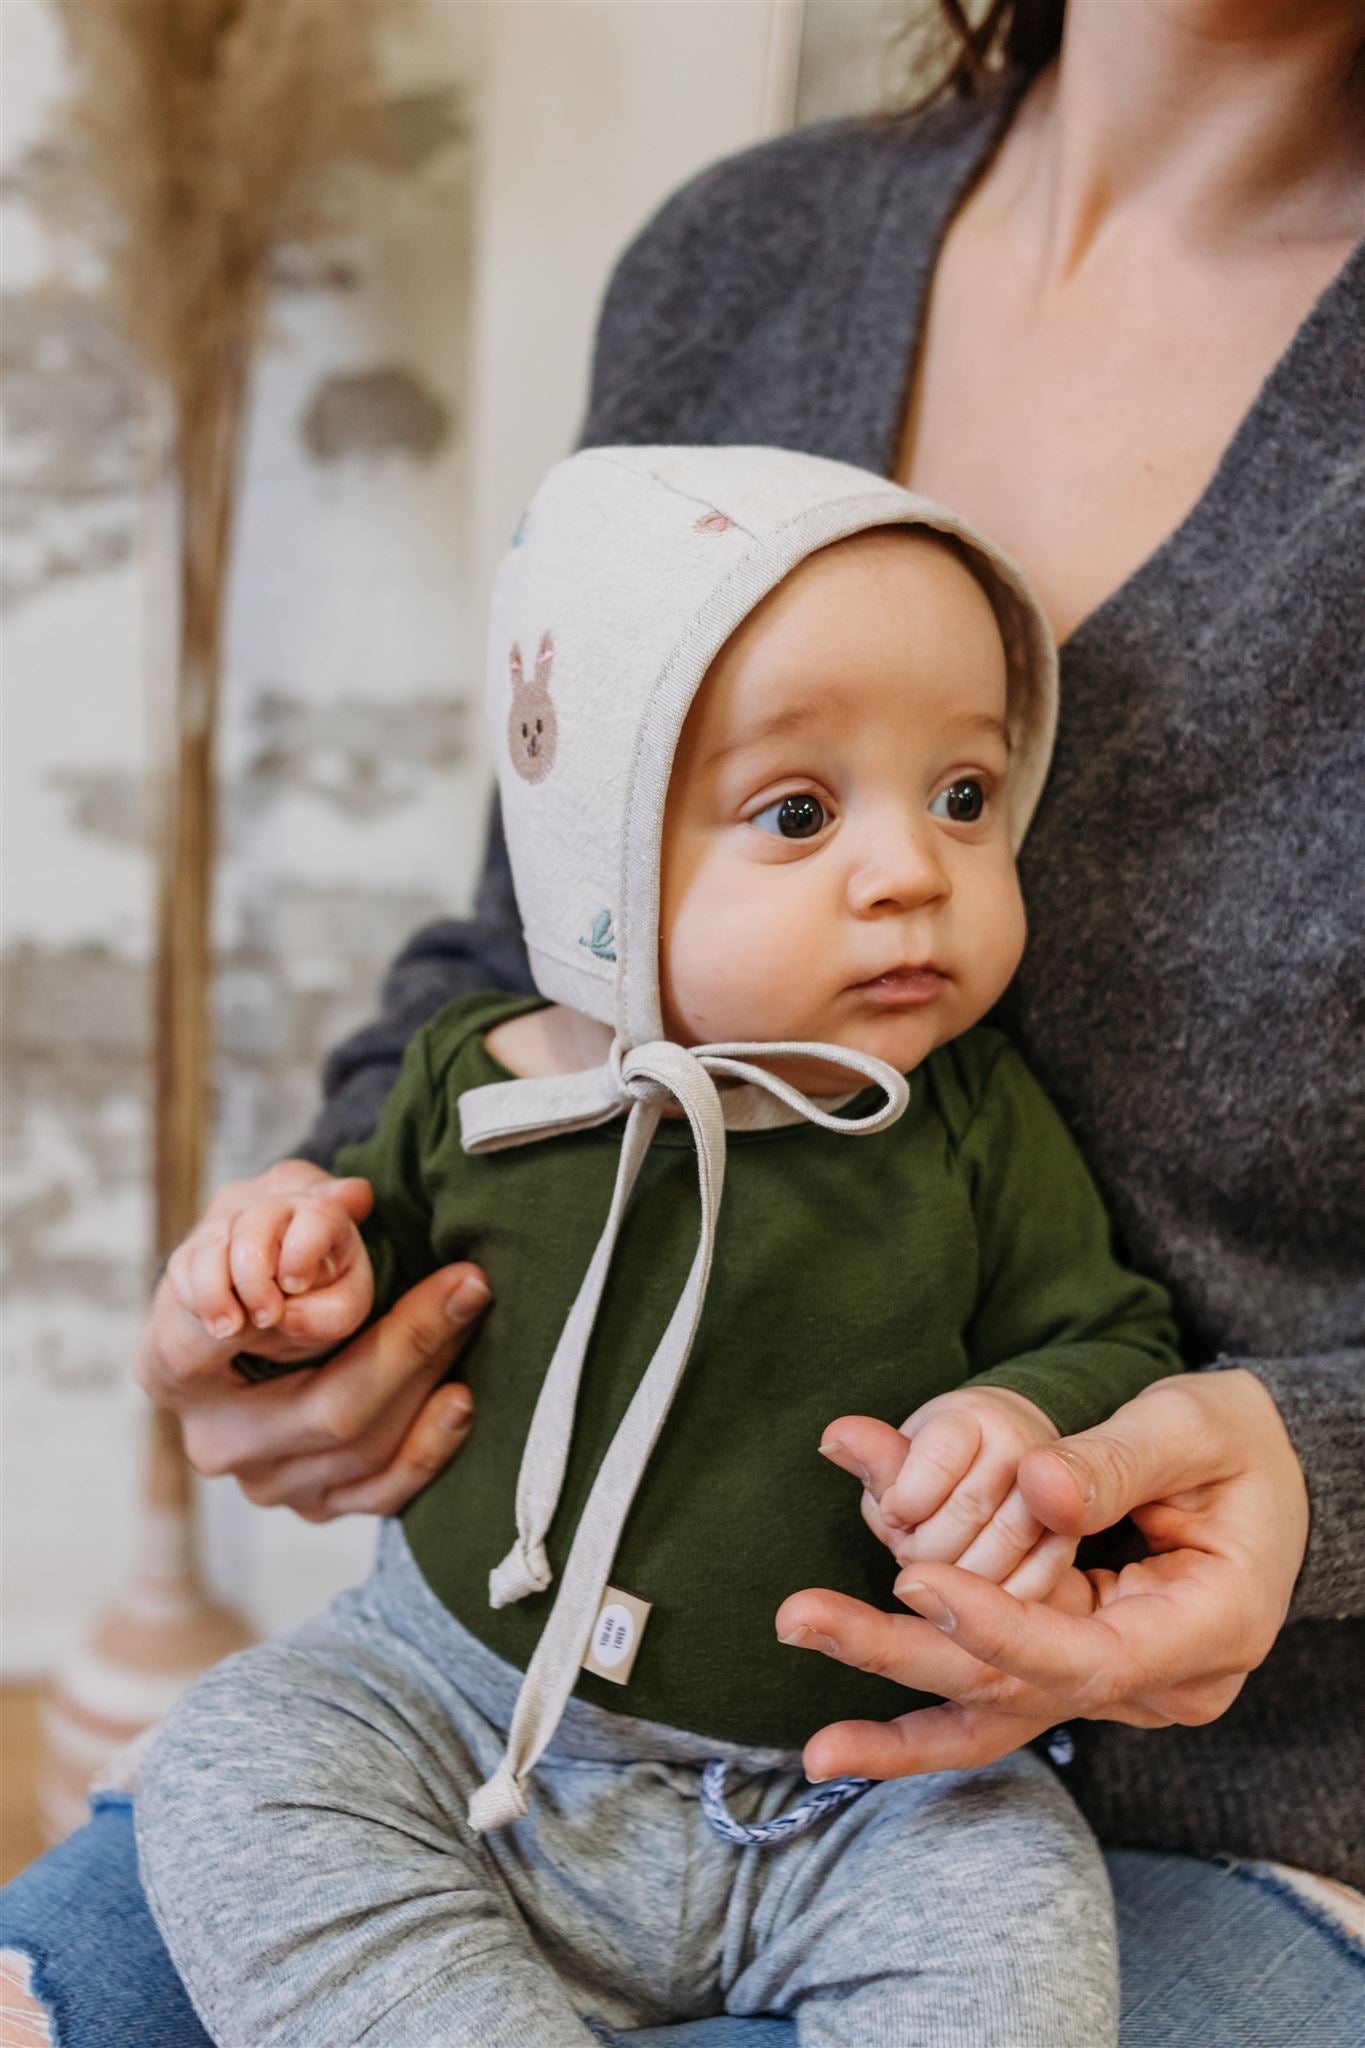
[422, 369]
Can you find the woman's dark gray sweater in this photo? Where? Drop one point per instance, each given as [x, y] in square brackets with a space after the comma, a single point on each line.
[1192, 992]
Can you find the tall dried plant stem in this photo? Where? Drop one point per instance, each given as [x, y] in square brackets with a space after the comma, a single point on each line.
[195, 129]
[205, 461]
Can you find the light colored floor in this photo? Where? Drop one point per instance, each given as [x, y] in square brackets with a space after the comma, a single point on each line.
[20, 1840]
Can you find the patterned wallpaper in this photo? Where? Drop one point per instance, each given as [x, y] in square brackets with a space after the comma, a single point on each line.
[351, 800]
[352, 778]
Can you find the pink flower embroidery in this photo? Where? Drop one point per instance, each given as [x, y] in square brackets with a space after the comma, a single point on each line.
[714, 522]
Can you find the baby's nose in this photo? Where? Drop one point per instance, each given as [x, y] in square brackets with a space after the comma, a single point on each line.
[898, 873]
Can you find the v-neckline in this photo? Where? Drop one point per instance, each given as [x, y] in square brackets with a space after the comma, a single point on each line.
[908, 337]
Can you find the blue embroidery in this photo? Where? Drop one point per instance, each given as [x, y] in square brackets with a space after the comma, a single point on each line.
[519, 536]
[601, 940]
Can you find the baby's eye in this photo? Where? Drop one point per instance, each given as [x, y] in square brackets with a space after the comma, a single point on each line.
[961, 802]
[792, 817]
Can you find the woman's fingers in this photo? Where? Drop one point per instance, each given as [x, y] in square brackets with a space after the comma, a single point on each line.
[1129, 1647]
[902, 1647]
[377, 1476]
[942, 1738]
[382, 1378]
[397, 1360]
[1158, 1445]
[439, 1431]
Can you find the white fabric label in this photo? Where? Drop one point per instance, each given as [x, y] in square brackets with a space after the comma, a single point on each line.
[615, 1639]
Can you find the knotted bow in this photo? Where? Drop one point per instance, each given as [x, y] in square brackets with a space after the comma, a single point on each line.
[640, 1083]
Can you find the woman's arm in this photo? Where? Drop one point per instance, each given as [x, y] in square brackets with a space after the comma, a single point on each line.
[450, 957]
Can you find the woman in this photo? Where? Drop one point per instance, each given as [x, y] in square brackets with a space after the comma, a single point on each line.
[1112, 312]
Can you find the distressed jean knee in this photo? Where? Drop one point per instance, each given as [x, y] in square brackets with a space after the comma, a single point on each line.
[25, 2021]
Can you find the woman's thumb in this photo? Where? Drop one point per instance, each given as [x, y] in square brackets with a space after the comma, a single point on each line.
[1093, 1479]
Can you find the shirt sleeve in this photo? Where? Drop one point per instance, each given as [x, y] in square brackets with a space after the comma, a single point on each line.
[397, 1233]
[1059, 1318]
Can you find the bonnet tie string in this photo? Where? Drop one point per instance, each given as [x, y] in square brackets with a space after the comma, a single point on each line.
[518, 1112]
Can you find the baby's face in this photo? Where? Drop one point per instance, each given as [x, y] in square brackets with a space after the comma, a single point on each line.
[837, 863]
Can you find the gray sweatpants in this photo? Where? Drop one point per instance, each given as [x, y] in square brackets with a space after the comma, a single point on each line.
[302, 1837]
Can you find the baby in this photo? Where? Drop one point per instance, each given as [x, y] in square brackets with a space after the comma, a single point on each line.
[770, 731]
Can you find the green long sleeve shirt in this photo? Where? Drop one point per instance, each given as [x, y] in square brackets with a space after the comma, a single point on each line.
[967, 1242]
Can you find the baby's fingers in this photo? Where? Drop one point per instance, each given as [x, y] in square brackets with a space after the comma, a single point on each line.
[255, 1258]
[1043, 1570]
[199, 1277]
[1004, 1543]
[318, 1245]
[942, 1452]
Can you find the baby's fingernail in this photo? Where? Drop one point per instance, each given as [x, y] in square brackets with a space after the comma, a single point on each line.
[291, 1283]
[839, 1454]
[927, 1603]
[223, 1326]
[329, 1268]
[803, 1638]
[263, 1318]
[469, 1300]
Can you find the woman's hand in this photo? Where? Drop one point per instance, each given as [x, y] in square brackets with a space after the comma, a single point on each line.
[1204, 1466]
[359, 1435]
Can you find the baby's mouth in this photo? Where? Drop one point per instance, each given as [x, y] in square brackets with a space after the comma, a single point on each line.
[906, 985]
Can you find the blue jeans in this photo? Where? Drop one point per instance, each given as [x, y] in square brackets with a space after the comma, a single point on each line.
[1214, 1955]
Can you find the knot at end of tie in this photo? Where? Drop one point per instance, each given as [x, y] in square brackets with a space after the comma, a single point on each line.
[521, 1572]
[499, 1802]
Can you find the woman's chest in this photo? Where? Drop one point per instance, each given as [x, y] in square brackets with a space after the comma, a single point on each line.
[1079, 421]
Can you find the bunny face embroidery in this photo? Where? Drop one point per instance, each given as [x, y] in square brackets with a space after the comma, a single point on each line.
[531, 724]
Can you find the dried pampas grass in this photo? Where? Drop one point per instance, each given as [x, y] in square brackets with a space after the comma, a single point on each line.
[192, 146]
[190, 150]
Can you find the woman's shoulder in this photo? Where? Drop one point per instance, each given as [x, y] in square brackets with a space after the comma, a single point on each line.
[791, 189]
[742, 236]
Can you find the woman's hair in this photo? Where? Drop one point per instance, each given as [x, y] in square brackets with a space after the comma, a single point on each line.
[1024, 33]
[960, 46]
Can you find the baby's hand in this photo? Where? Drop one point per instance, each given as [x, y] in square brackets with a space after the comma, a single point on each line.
[954, 1497]
[284, 1272]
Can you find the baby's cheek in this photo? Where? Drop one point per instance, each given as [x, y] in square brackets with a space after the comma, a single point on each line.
[726, 967]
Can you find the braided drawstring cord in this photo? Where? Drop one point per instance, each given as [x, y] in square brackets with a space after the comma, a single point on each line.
[795, 1821]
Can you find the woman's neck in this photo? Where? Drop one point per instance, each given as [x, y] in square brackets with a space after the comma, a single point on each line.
[1231, 120]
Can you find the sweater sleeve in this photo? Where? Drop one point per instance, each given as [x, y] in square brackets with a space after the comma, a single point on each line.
[1059, 1318]
[448, 958]
[1321, 1399]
